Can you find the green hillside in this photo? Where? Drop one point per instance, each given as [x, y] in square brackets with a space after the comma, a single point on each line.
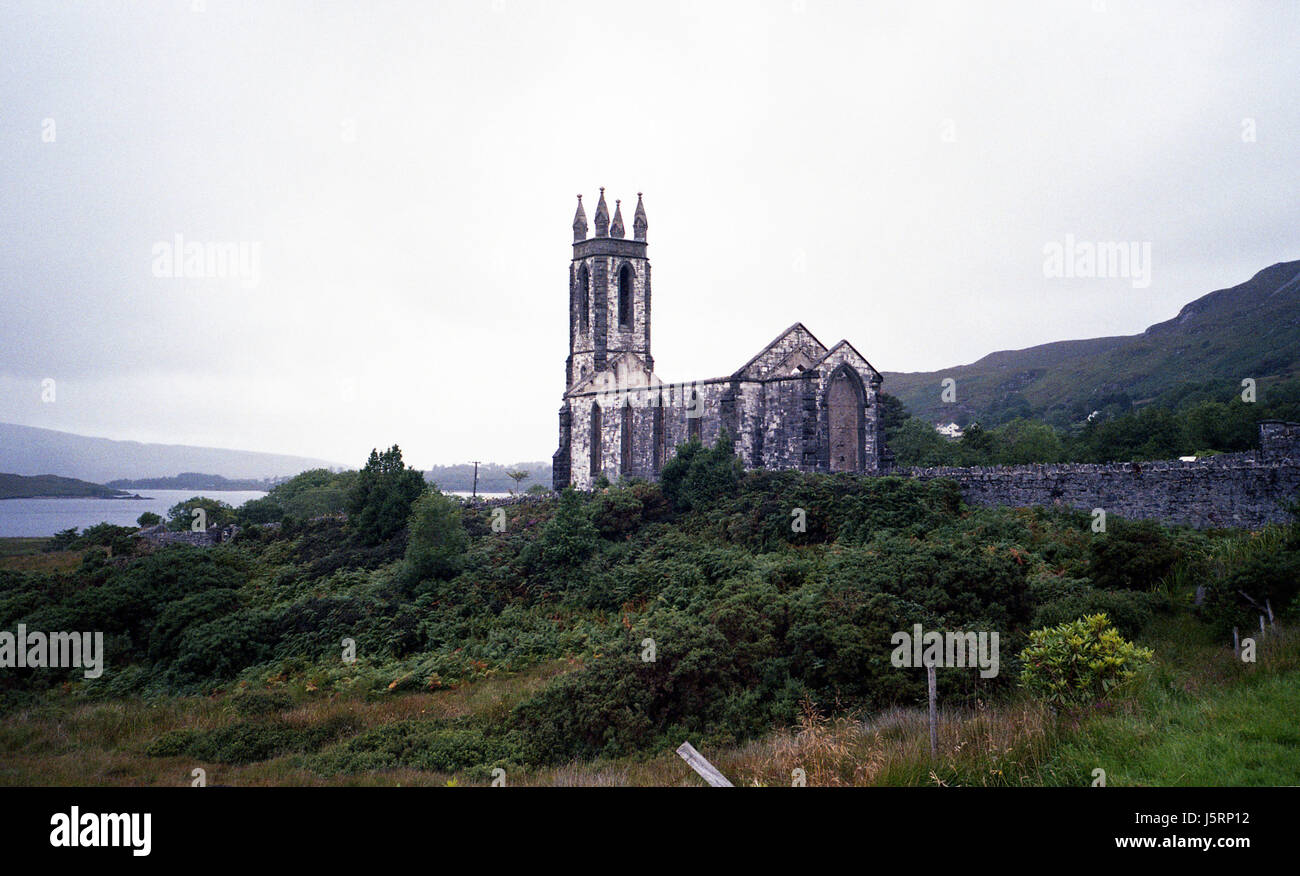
[1250, 330]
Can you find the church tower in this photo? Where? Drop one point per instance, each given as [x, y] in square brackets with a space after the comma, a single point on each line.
[609, 291]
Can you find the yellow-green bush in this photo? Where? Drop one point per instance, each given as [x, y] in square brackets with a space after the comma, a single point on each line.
[1079, 662]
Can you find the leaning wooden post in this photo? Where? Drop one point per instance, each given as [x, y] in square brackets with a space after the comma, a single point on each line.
[1271, 622]
[1236, 643]
[706, 770]
[934, 709]
[1261, 626]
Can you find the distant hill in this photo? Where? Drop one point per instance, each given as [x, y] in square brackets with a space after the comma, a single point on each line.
[1250, 330]
[193, 481]
[14, 486]
[492, 477]
[29, 451]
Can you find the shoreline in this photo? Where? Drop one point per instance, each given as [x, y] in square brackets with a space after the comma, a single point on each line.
[107, 498]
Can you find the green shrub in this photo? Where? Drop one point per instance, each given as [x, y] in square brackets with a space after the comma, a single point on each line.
[173, 743]
[1130, 612]
[63, 540]
[220, 648]
[1244, 592]
[249, 741]
[566, 540]
[256, 511]
[260, 703]
[699, 477]
[1079, 662]
[1132, 555]
[622, 510]
[436, 539]
[181, 517]
[421, 745]
[379, 503]
[118, 539]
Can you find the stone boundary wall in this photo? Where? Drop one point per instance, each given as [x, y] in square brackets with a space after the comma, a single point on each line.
[1234, 489]
[500, 501]
[159, 536]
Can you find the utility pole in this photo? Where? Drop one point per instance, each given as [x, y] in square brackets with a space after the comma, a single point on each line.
[474, 492]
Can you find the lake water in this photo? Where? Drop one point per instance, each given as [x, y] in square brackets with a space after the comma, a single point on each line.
[41, 517]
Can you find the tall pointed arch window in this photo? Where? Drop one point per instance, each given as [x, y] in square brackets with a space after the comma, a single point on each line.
[596, 449]
[625, 278]
[845, 400]
[584, 300]
[657, 437]
[625, 461]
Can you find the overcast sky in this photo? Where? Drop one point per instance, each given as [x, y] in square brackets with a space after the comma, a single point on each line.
[405, 175]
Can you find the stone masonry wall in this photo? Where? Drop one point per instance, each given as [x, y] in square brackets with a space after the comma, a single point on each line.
[789, 424]
[1279, 440]
[1238, 489]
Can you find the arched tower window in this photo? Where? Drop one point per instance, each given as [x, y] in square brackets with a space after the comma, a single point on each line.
[584, 299]
[625, 277]
[595, 439]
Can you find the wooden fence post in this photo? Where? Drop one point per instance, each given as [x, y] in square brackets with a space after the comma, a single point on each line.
[1236, 643]
[706, 770]
[934, 709]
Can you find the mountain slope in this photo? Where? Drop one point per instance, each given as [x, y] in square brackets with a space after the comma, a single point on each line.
[1250, 330]
[26, 450]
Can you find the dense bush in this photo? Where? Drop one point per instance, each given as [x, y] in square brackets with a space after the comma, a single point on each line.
[117, 539]
[259, 511]
[379, 503]
[1132, 555]
[1251, 574]
[63, 540]
[565, 543]
[183, 515]
[436, 540]
[249, 741]
[422, 745]
[314, 493]
[1129, 612]
[697, 476]
[620, 511]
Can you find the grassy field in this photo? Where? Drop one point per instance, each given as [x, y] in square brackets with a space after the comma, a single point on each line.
[1199, 717]
[27, 555]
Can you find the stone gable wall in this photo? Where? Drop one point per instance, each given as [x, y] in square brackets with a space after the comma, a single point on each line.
[798, 339]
